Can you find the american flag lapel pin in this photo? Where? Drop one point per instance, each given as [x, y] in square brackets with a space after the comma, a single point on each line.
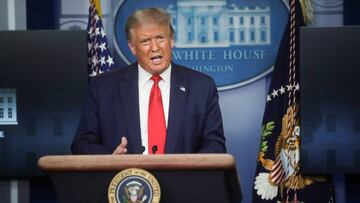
[182, 88]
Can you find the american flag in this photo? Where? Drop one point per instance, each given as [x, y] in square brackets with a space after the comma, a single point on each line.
[99, 56]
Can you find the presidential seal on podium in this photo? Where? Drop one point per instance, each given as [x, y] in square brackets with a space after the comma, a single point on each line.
[134, 185]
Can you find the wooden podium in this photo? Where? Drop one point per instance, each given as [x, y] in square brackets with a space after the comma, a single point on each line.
[182, 177]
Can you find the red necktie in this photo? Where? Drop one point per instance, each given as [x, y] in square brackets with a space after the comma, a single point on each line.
[156, 120]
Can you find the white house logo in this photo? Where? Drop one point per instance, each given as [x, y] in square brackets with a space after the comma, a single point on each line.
[235, 42]
[328, 3]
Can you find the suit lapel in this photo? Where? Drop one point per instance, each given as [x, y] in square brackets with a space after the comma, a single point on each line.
[178, 95]
[130, 105]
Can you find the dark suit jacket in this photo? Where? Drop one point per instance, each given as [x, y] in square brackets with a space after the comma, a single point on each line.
[111, 111]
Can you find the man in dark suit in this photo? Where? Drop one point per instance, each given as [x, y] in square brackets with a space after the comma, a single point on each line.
[122, 114]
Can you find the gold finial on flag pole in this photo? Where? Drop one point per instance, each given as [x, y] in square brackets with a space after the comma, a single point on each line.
[97, 5]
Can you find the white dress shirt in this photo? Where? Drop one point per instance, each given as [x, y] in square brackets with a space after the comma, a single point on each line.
[145, 85]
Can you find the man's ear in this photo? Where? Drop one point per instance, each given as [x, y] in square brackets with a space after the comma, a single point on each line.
[172, 42]
[131, 47]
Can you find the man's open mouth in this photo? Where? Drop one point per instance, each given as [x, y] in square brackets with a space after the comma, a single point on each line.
[156, 59]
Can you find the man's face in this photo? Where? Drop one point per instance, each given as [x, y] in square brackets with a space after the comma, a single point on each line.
[152, 44]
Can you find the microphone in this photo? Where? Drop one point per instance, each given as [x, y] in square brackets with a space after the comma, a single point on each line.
[154, 149]
[142, 149]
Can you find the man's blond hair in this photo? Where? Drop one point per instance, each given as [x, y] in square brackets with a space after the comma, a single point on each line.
[156, 16]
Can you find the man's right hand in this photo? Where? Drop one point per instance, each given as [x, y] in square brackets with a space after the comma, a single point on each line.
[121, 149]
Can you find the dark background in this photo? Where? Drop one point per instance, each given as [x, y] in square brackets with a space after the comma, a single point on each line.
[330, 103]
[49, 72]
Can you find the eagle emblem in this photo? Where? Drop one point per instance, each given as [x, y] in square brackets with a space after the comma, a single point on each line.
[134, 185]
[134, 192]
[283, 172]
